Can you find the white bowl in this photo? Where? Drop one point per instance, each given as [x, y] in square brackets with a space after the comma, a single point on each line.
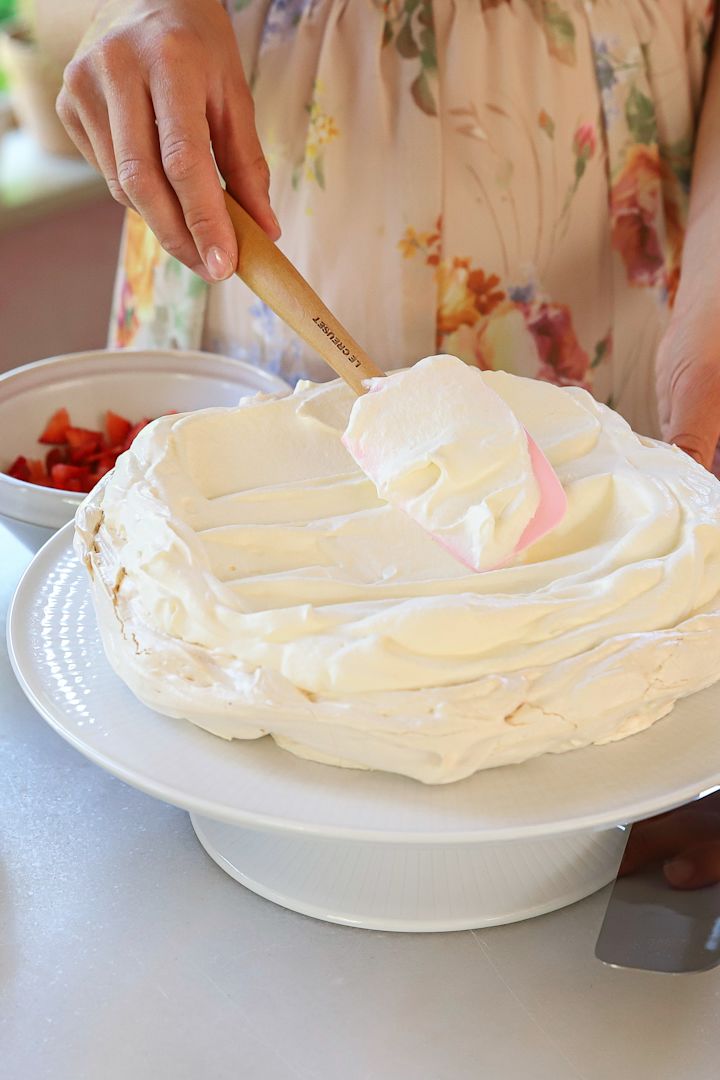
[134, 383]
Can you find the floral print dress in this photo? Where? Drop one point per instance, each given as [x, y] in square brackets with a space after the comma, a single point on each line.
[506, 180]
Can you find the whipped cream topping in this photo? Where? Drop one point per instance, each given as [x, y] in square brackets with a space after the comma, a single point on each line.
[248, 577]
[439, 443]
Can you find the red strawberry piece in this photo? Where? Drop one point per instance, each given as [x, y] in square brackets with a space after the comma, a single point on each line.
[80, 437]
[117, 427]
[133, 432]
[104, 464]
[69, 477]
[56, 428]
[38, 475]
[83, 443]
[56, 456]
[20, 469]
[101, 454]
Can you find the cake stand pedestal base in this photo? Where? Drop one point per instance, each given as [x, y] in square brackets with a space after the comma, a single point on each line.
[414, 887]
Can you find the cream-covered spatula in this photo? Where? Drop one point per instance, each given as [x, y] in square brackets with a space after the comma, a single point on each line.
[434, 425]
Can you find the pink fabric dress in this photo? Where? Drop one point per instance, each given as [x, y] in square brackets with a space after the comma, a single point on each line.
[506, 180]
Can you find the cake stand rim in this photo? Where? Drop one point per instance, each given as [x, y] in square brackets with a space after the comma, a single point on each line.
[61, 543]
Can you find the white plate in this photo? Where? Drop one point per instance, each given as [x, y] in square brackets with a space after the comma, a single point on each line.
[55, 650]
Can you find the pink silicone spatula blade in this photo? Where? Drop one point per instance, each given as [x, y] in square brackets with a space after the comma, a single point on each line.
[553, 500]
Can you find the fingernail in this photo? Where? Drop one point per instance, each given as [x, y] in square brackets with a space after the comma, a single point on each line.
[273, 215]
[679, 871]
[218, 264]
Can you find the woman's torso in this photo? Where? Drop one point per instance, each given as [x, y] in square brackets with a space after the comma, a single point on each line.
[506, 180]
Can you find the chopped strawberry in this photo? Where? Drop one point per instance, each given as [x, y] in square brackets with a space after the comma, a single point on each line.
[56, 456]
[83, 443]
[103, 452]
[78, 457]
[132, 433]
[20, 469]
[117, 428]
[104, 464]
[69, 477]
[38, 475]
[56, 428]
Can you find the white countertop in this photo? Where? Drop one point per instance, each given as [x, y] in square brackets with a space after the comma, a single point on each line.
[126, 954]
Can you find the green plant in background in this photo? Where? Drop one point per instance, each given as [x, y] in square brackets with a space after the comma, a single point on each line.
[8, 10]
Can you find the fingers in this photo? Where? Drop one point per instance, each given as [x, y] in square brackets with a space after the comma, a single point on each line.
[661, 838]
[179, 98]
[140, 174]
[76, 131]
[689, 396]
[696, 867]
[81, 105]
[238, 152]
[93, 116]
[694, 423]
[77, 84]
[143, 101]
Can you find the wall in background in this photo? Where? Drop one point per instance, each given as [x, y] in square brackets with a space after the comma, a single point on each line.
[56, 279]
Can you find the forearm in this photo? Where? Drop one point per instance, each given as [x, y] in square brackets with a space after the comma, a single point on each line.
[701, 253]
[59, 27]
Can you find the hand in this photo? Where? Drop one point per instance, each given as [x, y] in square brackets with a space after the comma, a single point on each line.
[152, 84]
[686, 841]
[688, 378]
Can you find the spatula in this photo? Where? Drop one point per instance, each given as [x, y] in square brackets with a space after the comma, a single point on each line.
[274, 279]
[277, 282]
[649, 926]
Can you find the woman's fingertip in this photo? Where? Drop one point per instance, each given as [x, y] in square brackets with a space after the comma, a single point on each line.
[679, 871]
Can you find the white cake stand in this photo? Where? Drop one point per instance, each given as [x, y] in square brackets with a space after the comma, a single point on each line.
[359, 848]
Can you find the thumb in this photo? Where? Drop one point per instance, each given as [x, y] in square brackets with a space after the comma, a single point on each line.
[696, 867]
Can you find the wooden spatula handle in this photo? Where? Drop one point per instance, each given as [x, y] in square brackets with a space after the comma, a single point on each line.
[272, 277]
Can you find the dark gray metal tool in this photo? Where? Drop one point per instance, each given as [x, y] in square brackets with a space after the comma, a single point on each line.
[651, 926]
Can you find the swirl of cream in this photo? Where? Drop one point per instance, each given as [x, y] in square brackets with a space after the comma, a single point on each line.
[440, 444]
[248, 578]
